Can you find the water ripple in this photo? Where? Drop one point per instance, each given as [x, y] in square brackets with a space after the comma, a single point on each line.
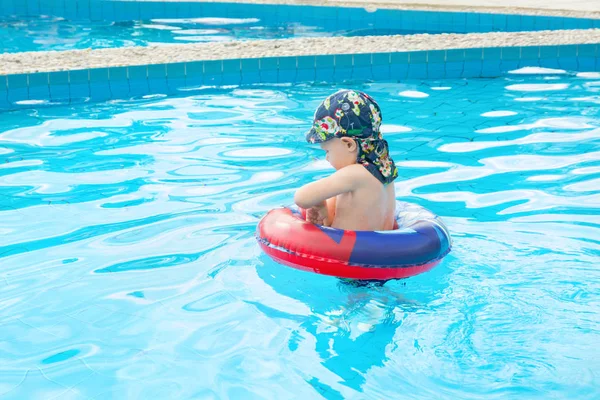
[127, 255]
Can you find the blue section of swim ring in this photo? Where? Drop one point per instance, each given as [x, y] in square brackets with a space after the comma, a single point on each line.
[399, 248]
[335, 234]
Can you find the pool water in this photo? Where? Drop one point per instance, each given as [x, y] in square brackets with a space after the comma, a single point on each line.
[54, 33]
[129, 267]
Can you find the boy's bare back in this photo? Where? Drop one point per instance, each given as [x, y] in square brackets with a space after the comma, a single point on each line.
[370, 207]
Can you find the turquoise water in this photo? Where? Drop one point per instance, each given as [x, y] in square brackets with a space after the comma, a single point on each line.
[53, 33]
[129, 268]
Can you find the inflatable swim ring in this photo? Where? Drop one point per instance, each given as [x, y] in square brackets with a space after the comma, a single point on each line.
[418, 243]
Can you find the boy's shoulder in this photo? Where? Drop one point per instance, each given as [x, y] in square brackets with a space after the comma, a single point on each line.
[357, 173]
[354, 170]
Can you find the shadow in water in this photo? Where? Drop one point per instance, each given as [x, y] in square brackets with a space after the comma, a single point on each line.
[354, 323]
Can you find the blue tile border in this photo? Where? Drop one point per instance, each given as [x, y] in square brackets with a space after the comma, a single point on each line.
[124, 82]
[118, 81]
[212, 74]
[38, 86]
[99, 84]
[138, 80]
[194, 73]
[268, 70]
[231, 72]
[362, 67]
[58, 85]
[381, 66]
[79, 85]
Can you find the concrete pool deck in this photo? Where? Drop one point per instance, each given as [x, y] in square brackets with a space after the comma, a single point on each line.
[16, 63]
[48, 61]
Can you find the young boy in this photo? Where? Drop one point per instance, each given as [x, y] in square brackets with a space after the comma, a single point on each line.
[358, 196]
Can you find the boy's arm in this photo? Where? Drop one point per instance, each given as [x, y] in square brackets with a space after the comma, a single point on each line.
[315, 193]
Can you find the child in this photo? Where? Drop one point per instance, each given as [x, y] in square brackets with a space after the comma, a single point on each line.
[358, 196]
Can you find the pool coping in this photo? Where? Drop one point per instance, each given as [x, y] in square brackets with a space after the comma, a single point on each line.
[51, 61]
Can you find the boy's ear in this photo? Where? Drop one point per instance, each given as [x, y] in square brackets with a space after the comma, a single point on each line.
[349, 143]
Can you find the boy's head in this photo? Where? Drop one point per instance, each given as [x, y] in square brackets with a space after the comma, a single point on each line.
[347, 126]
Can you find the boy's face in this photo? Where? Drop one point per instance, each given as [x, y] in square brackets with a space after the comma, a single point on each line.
[340, 152]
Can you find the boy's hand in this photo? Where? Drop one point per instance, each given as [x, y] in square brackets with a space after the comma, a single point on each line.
[318, 214]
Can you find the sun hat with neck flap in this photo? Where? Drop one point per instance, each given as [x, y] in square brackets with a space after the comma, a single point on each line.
[355, 114]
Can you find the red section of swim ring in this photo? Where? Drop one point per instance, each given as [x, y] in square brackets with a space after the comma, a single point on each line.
[341, 270]
[282, 229]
